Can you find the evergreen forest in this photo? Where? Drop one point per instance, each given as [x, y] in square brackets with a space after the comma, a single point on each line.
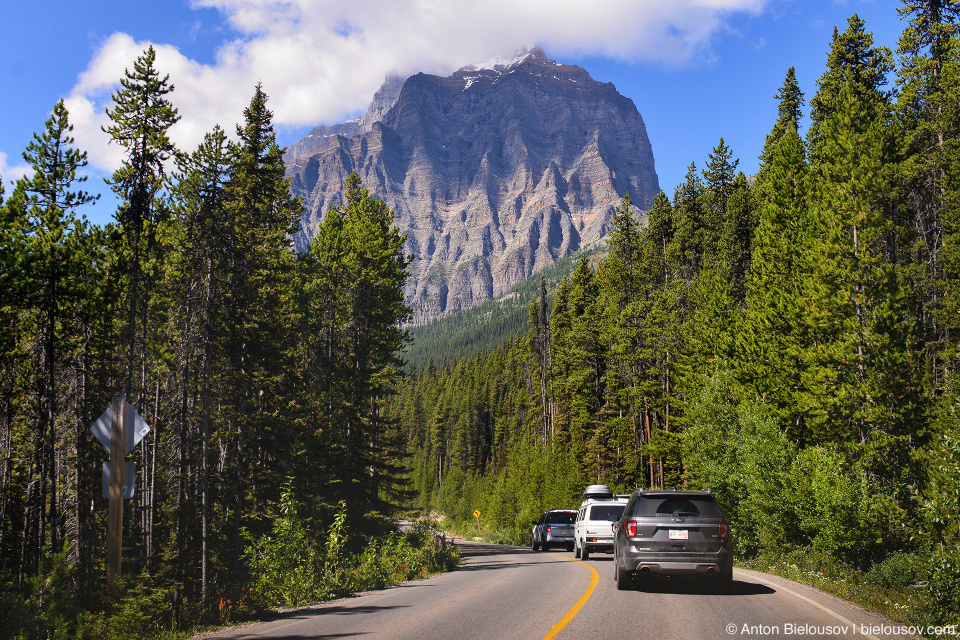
[262, 374]
[788, 340]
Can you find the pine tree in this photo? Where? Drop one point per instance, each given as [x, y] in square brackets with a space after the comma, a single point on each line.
[659, 322]
[789, 112]
[200, 262]
[141, 118]
[865, 365]
[584, 380]
[736, 239]
[49, 202]
[693, 238]
[358, 269]
[719, 176]
[855, 61]
[540, 347]
[772, 335]
[378, 268]
[260, 216]
[929, 84]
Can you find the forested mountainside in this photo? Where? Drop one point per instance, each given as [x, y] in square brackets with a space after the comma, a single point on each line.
[791, 345]
[491, 323]
[494, 172]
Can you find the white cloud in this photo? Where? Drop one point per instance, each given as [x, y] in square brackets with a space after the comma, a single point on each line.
[320, 60]
[10, 174]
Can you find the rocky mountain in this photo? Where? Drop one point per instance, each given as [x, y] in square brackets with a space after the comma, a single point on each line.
[494, 172]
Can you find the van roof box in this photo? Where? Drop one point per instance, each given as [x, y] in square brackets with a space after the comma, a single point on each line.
[597, 492]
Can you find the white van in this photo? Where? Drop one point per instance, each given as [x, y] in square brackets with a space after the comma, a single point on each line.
[593, 528]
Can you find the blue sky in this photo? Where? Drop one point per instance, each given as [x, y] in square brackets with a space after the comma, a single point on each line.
[698, 70]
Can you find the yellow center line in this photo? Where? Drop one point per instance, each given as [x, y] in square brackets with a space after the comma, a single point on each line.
[565, 620]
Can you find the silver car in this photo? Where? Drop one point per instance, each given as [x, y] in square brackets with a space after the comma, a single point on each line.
[554, 529]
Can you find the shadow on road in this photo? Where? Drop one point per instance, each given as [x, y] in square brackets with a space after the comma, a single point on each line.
[478, 556]
[310, 611]
[470, 549]
[304, 636]
[740, 588]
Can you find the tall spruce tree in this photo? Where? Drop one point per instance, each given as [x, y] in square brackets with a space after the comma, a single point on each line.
[377, 265]
[199, 266]
[736, 237]
[929, 84]
[140, 120]
[50, 203]
[693, 238]
[719, 175]
[772, 335]
[789, 112]
[865, 365]
[357, 271]
[260, 216]
[852, 60]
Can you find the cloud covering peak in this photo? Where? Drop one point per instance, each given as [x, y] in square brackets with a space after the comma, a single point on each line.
[322, 60]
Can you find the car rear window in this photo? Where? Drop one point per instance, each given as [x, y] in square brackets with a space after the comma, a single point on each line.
[602, 511]
[561, 517]
[690, 506]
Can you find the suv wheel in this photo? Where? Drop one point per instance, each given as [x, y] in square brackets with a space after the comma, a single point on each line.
[535, 546]
[724, 584]
[624, 581]
[576, 549]
[584, 553]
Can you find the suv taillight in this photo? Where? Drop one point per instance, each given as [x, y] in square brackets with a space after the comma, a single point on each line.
[548, 529]
[630, 526]
[724, 529]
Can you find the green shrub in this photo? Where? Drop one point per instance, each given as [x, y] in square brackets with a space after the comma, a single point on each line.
[47, 609]
[145, 610]
[285, 564]
[897, 571]
[943, 597]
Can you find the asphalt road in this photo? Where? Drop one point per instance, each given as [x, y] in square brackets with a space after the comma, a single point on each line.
[513, 592]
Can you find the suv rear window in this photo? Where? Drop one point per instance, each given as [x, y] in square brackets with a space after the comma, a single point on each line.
[690, 506]
[602, 511]
[561, 517]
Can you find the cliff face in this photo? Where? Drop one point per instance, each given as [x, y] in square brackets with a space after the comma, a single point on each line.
[494, 172]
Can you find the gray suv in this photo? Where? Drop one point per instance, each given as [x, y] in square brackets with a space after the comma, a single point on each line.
[673, 534]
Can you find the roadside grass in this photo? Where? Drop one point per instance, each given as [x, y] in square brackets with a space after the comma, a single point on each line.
[291, 571]
[467, 530]
[911, 589]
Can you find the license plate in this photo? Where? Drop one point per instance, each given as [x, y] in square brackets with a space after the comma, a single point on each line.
[678, 534]
[608, 540]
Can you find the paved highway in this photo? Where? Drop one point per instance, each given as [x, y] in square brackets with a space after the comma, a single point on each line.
[513, 592]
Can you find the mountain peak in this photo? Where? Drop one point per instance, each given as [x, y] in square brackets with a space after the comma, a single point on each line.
[494, 172]
[502, 65]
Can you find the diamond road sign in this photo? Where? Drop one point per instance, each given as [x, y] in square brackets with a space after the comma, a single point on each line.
[135, 433]
[129, 479]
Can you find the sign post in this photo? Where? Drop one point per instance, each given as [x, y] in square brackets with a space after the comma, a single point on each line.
[476, 514]
[118, 435]
[119, 429]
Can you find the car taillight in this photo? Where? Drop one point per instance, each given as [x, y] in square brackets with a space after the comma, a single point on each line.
[630, 526]
[548, 528]
[724, 529]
